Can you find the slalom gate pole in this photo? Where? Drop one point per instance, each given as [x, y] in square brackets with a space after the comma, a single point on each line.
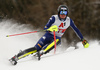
[54, 41]
[23, 33]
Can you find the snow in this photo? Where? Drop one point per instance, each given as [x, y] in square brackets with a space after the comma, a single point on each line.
[67, 59]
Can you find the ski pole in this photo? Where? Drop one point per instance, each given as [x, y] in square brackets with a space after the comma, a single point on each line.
[54, 41]
[23, 33]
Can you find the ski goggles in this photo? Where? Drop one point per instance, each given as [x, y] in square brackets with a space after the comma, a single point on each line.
[63, 12]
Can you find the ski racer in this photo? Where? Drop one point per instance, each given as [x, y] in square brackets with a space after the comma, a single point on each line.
[58, 23]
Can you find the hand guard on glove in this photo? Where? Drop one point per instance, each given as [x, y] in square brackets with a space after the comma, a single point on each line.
[85, 43]
[53, 28]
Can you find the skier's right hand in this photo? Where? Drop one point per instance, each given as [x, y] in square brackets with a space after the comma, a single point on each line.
[53, 28]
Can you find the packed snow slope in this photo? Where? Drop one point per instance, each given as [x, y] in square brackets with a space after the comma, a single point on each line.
[64, 59]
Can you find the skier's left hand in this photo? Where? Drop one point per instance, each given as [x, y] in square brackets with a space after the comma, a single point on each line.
[85, 43]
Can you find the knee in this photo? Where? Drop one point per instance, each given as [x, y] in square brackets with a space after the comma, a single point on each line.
[38, 46]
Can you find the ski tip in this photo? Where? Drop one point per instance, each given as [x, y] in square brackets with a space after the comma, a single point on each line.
[13, 62]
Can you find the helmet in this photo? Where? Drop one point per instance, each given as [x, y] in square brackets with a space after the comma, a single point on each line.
[62, 8]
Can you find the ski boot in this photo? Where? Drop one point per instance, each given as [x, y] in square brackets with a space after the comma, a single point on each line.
[38, 55]
[13, 60]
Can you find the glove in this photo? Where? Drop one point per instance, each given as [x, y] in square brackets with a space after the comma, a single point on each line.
[53, 28]
[85, 43]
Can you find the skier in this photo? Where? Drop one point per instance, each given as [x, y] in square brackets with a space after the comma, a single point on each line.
[58, 23]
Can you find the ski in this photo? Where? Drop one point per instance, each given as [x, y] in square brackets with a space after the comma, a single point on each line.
[13, 60]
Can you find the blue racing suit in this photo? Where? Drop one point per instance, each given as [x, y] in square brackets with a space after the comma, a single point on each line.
[62, 25]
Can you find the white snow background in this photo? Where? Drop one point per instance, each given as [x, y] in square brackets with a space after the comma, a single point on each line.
[64, 59]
